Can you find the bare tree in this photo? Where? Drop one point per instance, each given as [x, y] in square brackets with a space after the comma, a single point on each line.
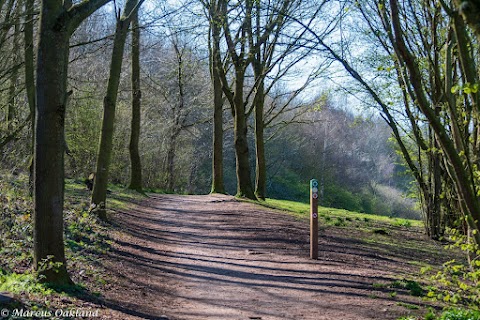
[216, 64]
[99, 193]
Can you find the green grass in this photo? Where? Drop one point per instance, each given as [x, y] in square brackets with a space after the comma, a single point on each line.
[123, 199]
[21, 283]
[402, 223]
[380, 285]
[302, 210]
[118, 198]
[408, 305]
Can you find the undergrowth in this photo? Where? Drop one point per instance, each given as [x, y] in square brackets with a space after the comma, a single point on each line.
[449, 314]
[86, 241]
[458, 281]
[456, 284]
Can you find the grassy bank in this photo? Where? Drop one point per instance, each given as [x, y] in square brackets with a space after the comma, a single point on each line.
[332, 215]
[87, 242]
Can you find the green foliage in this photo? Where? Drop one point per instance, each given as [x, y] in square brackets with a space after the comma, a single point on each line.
[85, 235]
[289, 186]
[402, 223]
[22, 283]
[339, 222]
[379, 285]
[385, 201]
[83, 124]
[460, 314]
[16, 229]
[450, 314]
[49, 264]
[467, 88]
[413, 287]
[339, 197]
[430, 315]
[458, 281]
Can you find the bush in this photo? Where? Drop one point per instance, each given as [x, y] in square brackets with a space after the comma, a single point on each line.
[341, 198]
[459, 314]
[451, 314]
[459, 281]
[288, 186]
[390, 201]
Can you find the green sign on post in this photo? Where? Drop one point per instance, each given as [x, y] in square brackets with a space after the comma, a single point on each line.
[314, 219]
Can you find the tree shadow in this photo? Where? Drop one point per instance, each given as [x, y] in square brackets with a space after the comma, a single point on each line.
[228, 247]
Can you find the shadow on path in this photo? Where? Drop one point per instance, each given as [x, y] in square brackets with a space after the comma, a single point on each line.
[212, 257]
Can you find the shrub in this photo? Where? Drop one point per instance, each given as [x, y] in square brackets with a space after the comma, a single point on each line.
[459, 281]
[459, 314]
[341, 198]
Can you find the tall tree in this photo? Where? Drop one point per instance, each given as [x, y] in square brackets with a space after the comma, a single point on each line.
[460, 162]
[184, 103]
[58, 20]
[279, 46]
[135, 164]
[426, 175]
[179, 112]
[215, 66]
[428, 169]
[99, 193]
[241, 57]
[242, 53]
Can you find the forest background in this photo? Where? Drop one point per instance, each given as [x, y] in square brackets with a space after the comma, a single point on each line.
[319, 134]
[155, 82]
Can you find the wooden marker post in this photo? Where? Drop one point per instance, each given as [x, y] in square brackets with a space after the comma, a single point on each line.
[314, 219]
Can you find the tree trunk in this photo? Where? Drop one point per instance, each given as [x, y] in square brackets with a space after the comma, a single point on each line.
[52, 64]
[136, 167]
[171, 160]
[470, 10]
[436, 222]
[217, 161]
[218, 185]
[99, 193]
[323, 171]
[192, 178]
[244, 180]
[261, 168]
[259, 101]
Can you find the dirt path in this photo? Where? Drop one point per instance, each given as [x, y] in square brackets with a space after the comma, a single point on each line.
[212, 257]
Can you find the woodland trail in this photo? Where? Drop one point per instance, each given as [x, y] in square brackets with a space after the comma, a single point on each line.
[213, 257]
